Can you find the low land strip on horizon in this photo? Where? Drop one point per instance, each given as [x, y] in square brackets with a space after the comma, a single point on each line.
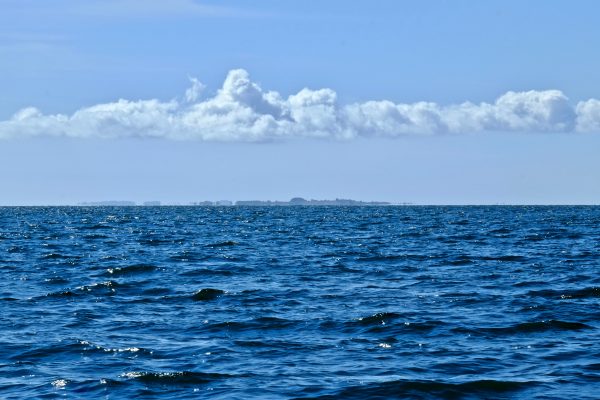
[296, 201]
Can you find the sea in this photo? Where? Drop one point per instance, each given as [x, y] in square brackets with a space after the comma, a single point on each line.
[304, 302]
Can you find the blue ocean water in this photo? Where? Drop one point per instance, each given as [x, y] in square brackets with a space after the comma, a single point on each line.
[300, 302]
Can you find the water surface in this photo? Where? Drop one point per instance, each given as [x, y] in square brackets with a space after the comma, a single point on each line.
[300, 302]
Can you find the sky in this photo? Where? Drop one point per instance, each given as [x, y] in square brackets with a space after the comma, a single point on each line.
[428, 102]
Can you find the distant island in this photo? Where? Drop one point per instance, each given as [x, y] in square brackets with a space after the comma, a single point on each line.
[296, 201]
[108, 203]
[299, 201]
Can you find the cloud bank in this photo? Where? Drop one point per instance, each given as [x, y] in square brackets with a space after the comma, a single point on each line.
[242, 110]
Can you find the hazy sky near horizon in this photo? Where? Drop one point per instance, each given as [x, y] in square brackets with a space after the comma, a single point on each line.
[430, 102]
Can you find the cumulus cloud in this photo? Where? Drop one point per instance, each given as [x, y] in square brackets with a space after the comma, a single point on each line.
[241, 110]
[193, 92]
[588, 116]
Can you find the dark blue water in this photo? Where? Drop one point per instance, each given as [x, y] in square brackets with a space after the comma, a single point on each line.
[306, 302]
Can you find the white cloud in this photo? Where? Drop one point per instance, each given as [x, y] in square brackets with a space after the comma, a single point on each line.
[241, 110]
[194, 91]
[588, 116]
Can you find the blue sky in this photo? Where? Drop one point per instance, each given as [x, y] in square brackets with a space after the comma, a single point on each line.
[436, 102]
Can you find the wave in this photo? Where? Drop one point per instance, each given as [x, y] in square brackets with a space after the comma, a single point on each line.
[211, 271]
[501, 231]
[58, 256]
[96, 227]
[16, 249]
[91, 347]
[421, 389]
[61, 293]
[256, 324]
[174, 378]
[388, 322]
[207, 294]
[506, 258]
[583, 293]
[56, 280]
[538, 326]
[107, 288]
[396, 257]
[132, 269]
[378, 318]
[74, 348]
[461, 260]
[95, 236]
[226, 243]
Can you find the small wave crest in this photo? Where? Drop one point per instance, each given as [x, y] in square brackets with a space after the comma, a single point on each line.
[174, 378]
[132, 270]
[207, 294]
[378, 318]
